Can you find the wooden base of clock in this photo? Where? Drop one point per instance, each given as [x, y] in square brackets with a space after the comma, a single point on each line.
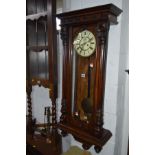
[86, 138]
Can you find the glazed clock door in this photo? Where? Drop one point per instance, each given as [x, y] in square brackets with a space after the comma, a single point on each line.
[83, 75]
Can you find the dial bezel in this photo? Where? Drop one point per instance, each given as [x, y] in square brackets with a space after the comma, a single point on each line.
[85, 43]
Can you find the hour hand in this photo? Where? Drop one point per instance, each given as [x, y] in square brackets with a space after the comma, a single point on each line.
[83, 42]
[76, 42]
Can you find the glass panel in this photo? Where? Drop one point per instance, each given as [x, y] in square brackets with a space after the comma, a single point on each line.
[31, 7]
[37, 32]
[73, 80]
[35, 6]
[31, 33]
[39, 64]
[46, 65]
[41, 6]
[42, 35]
[82, 87]
[33, 64]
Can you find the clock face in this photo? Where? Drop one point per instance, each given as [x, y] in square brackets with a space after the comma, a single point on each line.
[85, 43]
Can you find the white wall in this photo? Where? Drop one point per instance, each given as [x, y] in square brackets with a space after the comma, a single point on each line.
[40, 99]
[122, 128]
[115, 90]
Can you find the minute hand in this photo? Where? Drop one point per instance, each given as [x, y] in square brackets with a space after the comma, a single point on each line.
[85, 42]
[82, 44]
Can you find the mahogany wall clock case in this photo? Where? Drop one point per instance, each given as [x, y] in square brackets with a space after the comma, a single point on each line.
[85, 41]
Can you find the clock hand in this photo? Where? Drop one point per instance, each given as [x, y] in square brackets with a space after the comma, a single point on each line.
[84, 43]
[90, 39]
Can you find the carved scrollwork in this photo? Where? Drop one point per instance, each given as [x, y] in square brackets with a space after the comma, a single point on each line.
[36, 16]
[97, 149]
[63, 133]
[64, 35]
[54, 121]
[30, 122]
[51, 94]
[63, 116]
[40, 82]
[102, 37]
[63, 112]
[86, 146]
[98, 123]
[29, 90]
[102, 32]
[51, 91]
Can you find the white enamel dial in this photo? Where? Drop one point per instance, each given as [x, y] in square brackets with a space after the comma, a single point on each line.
[85, 43]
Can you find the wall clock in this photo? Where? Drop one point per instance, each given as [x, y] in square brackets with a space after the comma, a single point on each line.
[85, 40]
